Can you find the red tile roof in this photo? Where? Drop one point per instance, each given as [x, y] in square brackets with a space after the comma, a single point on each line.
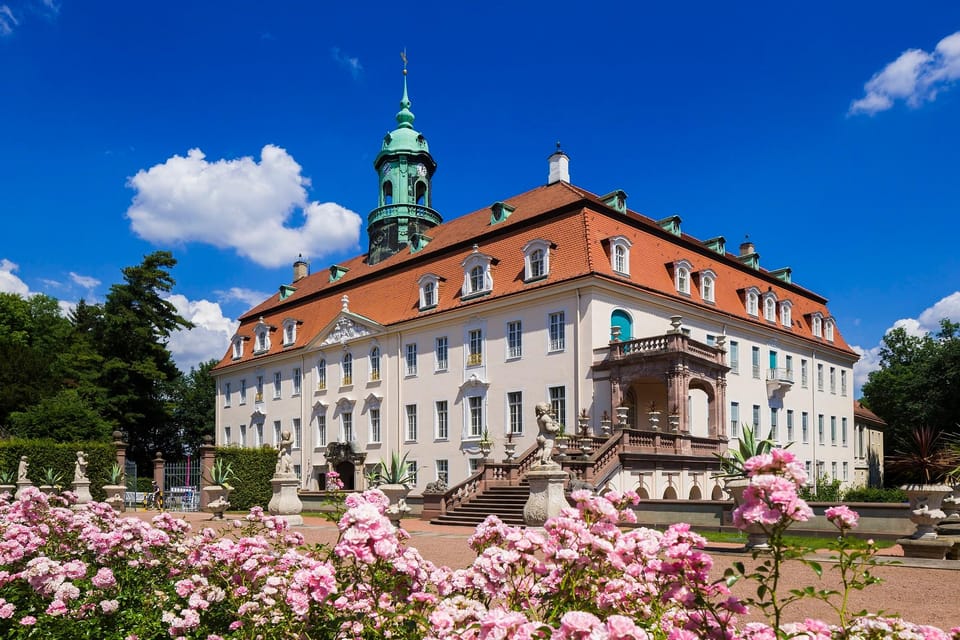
[863, 414]
[576, 222]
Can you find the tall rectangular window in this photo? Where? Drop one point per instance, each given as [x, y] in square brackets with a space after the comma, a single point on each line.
[557, 339]
[791, 436]
[440, 351]
[411, 410]
[558, 404]
[843, 382]
[514, 339]
[861, 451]
[819, 377]
[443, 420]
[259, 397]
[321, 375]
[476, 416]
[443, 471]
[755, 361]
[473, 465]
[805, 427]
[734, 419]
[322, 430]
[756, 420]
[276, 385]
[297, 435]
[515, 408]
[833, 470]
[843, 431]
[375, 424]
[774, 427]
[789, 366]
[346, 426]
[243, 435]
[297, 381]
[258, 434]
[833, 430]
[846, 470]
[226, 436]
[833, 379]
[411, 359]
[804, 374]
[733, 356]
[226, 394]
[412, 469]
[276, 432]
[821, 436]
[243, 391]
[475, 347]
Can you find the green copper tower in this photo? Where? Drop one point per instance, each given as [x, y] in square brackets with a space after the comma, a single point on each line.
[403, 216]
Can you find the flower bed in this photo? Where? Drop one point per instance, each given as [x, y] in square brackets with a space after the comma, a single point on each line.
[88, 573]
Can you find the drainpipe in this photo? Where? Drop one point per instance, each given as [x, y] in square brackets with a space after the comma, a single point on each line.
[306, 431]
[814, 418]
[576, 360]
[397, 376]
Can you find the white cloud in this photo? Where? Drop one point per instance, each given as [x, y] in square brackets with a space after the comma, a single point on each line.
[209, 337]
[927, 322]
[240, 204]
[914, 77]
[248, 296]
[350, 63]
[9, 281]
[7, 20]
[87, 282]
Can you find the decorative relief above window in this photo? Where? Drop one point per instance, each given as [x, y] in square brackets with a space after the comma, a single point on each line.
[770, 306]
[786, 313]
[620, 254]
[708, 285]
[345, 329]
[429, 291]
[536, 260]
[752, 301]
[261, 333]
[477, 278]
[681, 276]
[290, 331]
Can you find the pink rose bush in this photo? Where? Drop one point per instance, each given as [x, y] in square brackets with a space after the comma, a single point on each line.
[89, 573]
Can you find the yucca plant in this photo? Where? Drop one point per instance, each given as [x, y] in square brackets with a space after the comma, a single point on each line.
[52, 478]
[7, 476]
[115, 475]
[396, 472]
[924, 456]
[222, 473]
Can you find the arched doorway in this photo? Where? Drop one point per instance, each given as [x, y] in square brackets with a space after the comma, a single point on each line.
[621, 319]
[347, 472]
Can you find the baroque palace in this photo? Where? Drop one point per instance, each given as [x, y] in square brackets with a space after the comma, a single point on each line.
[653, 348]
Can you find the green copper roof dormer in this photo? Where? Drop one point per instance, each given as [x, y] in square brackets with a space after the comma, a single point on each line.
[405, 170]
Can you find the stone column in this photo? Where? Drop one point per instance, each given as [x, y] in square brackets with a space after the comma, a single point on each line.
[546, 494]
[158, 470]
[208, 454]
[121, 448]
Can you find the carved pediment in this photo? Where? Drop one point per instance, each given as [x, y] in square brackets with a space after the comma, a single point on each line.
[346, 328]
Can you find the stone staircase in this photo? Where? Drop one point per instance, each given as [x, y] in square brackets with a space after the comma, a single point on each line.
[504, 502]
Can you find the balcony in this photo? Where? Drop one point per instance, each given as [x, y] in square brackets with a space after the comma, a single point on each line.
[415, 211]
[779, 380]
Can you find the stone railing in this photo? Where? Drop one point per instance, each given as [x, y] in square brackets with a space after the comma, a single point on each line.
[668, 343]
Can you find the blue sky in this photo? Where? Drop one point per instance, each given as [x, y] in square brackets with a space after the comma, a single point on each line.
[240, 134]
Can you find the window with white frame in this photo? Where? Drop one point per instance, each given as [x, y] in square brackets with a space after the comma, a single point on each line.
[374, 415]
[821, 435]
[755, 361]
[226, 394]
[752, 299]
[515, 412]
[441, 349]
[289, 331]
[297, 381]
[833, 380]
[804, 374]
[375, 364]
[816, 324]
[411, 358]
[237, 348]
[843, 431]
[756, 420]
[412, 472]
[514, 339]
[276, 385]
[620, 254]
[833, 470]
[558, 403]
[774, 425]
[474, 347]
[321, 375]
[475, 408]
[846, 470]
[429, 291]
[477, 277]
[322, 429]
[828, 329]
[819, 377]
[226, 436]
[346, 370]
[805, 427]
[297, 435]
[843, 382]
[790, 432]
[708, 281]
[770, 307]
[262, 343]
[259, 397]
[276, 432]
[733, 356]
[536, 260]
[557, 328]
[258, 434]
[346, 426]
[243, 391]
[681, 275]
[473, 465]
[243, 436]
[786, 313]
[833, 430]
[443, 471]
[411, 413]
[441, 420]
[734, 419]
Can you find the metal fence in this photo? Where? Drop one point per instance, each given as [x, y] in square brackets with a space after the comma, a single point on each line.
[130, 475]
[181, 481]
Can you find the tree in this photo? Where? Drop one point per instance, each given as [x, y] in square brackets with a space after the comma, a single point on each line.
[138, 371]
[64, 417]
[194, 412]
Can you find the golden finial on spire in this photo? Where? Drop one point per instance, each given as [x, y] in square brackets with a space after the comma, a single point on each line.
[403, 56]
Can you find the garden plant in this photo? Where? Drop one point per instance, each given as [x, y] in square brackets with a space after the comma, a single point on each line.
[88, 573]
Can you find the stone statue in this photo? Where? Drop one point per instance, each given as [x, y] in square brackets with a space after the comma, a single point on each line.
[22, 469]
[549, 428]
[284, 461]
[80, 468]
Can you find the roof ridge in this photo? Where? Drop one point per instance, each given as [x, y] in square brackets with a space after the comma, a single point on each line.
[586, 238]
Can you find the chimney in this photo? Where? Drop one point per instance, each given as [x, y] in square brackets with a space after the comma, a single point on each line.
[301, 268]
[747, 247]
[559, 167]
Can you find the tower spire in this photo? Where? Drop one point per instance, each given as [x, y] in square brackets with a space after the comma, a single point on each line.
[405, 116]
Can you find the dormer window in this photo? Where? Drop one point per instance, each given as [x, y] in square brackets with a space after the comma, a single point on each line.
[238, 347]
[429, 291]
[770, 307]
[290, 331]
[681, 274]
[708, 281]
[477, 278]
[786, 313]
[816, 324]
[828, 327]
[536, 260]
[752, 301]
[620, 255]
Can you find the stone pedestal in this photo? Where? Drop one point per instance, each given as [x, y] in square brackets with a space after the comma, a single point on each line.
[218, 500]
[397, 495]
[925, 548]
[82, 490]
[285, 502]
[546, 494]
[116, 494]
[757, 538]
[21, 486]
[8, 488]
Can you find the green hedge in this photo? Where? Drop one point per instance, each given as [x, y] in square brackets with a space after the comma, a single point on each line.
[61, 457]
[869, 494]
[253, 469]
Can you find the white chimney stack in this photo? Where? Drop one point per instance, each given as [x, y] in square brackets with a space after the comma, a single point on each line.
[559, 167]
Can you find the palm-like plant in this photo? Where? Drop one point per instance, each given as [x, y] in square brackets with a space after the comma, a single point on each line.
[222, 473]
[7, 476]
[748, 446]
[926, 456]
[115, 475]
[397, 471]
[52, 477]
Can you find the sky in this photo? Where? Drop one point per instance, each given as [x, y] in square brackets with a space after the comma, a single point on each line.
[240, 134]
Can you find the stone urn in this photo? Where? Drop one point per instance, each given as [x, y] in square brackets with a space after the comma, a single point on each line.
[757, 538]
[951, 504]
[397, 495]
[926, 501]
[48, 489]
[218, 500]
[8, 488]
[116, 496]
[561, 447]
[654, 418]
[510, 448]
[674, 421]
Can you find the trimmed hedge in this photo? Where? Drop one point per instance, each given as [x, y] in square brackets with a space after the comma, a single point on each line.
[61, 457]
[873, 494]
[253, 468]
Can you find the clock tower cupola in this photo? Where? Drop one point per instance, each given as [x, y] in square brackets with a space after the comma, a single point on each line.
[404, 213]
